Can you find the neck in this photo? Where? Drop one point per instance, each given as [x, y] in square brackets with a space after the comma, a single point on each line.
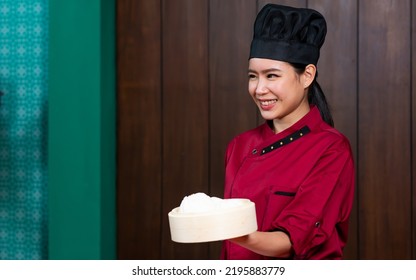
[284, 123]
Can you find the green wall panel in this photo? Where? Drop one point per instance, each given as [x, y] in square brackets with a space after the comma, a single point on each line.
[82, 130]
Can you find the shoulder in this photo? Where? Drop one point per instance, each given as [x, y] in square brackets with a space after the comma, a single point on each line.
[332, 138]
[250, 135]
[245, 141]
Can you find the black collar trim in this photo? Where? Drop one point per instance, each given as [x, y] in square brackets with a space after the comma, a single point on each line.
[284, 141]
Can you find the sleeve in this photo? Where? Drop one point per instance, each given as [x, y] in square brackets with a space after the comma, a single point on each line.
[229, 170]
[323, 201]
[227, 192]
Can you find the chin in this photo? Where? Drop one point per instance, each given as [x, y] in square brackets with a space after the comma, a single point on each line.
[268, 116]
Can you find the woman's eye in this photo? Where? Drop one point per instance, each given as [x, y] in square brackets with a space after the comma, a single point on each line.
[251, 76]
[272, 76]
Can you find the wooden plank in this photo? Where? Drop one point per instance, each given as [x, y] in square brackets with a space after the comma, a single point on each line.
[337, 75]
[293, 3]
[185, 113]
[232, 110]
[139, 129]
[414, 130]
[384, 136]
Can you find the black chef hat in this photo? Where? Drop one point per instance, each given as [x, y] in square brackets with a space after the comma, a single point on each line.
[288, 34]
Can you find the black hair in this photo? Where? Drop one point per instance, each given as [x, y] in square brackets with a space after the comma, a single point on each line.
[316, 95]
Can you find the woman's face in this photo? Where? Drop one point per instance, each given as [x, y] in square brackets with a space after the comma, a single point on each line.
[279, 92]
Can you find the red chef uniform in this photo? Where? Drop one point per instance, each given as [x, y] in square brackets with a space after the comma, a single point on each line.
[302, 182]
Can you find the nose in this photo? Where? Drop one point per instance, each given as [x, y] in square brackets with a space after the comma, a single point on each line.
[261, 87]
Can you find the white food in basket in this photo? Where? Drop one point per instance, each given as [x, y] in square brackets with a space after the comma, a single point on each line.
[200, 203]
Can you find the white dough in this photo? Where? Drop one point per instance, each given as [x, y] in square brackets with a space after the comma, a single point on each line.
[200, 202]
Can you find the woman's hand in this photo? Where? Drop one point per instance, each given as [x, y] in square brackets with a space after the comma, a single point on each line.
[270, 244]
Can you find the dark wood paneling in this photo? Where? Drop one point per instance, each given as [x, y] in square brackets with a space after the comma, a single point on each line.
[337, 75]
[384, 130]
[182, 95]
[139, 138]
[232, 110]
[185, 113]
[293, 3]
[413, 83]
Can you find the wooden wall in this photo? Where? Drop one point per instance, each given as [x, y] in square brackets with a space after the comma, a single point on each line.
[182, 95]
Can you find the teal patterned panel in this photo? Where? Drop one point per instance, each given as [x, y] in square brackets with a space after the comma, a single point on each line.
[23, 128]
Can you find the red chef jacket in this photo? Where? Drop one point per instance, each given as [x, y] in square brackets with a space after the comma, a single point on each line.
[301, 181]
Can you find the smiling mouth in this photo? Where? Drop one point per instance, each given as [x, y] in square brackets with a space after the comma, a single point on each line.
[267, 102]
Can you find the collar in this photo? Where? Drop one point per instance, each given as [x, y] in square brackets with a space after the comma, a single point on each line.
[312, 119]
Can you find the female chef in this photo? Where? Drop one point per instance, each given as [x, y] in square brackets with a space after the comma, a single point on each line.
[296, 168]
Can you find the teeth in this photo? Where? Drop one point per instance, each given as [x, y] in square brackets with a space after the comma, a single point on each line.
[268, 102]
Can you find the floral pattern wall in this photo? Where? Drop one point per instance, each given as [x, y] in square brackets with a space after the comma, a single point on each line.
[23, 128]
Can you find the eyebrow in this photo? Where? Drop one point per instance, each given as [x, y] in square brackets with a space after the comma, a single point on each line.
[268, 70]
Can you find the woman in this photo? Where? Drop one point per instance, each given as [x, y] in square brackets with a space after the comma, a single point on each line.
[296, 167]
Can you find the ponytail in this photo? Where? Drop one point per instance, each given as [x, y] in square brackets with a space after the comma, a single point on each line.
[316, 96]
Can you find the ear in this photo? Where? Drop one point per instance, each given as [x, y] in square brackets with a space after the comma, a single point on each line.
[309, 75]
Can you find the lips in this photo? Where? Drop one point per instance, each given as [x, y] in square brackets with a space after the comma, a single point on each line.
[267, 104]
